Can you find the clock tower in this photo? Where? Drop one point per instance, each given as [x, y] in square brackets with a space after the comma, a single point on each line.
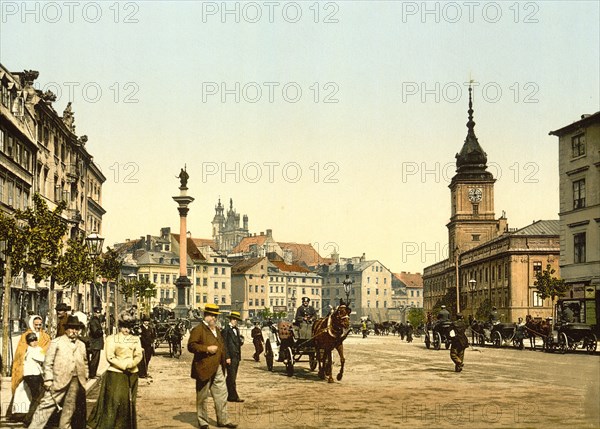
[472, 220]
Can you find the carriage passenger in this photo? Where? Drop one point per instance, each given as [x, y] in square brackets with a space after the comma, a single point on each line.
[443, 315]
[567, 315]
[493, 317]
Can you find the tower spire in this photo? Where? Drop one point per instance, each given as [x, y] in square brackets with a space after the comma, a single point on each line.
[471, 123]
[471, 157]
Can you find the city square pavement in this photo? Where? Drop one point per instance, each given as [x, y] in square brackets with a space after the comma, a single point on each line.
[389, 384]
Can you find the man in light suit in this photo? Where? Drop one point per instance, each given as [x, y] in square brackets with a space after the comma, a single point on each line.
[65, 375]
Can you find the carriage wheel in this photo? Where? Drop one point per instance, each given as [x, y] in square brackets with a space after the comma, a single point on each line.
[312, 361]
[497, 339]
[427, 341]
[591, 343]
[269, 355]
[437, 340]
[563, 343]
[289, 362]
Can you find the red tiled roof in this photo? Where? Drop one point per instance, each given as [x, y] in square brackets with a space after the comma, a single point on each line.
[290, 267]
[304, 253]
[244, 245]
[410, 279]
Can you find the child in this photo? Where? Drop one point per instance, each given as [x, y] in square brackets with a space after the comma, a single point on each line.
[33, 380]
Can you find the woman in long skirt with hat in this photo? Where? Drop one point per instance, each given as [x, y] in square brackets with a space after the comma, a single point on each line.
[115, 408]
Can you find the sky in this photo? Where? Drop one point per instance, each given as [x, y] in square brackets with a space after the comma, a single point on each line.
[331, 123]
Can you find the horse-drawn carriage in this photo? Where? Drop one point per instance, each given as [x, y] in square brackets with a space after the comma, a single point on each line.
[283, 345]
[570, 336]
[498, 334]
[438, 334]
[170, 332]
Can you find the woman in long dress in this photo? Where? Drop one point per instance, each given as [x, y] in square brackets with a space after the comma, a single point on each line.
[115, 408]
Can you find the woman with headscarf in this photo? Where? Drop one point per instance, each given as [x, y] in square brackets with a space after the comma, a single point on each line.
[115, 408]
[21, 398]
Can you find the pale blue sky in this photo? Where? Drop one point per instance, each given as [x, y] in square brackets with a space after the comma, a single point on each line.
[373, 134]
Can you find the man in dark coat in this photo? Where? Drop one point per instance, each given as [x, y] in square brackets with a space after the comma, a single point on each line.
[443, 315]
[147, 337]
[459, 342]
[61, 318]
[96, 341]
[257, 340]
[493, 317]
[233, 351]
[208, 367]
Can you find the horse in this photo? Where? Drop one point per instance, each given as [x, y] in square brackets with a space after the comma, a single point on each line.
[174, 336]
[329, 333]
[536, 328]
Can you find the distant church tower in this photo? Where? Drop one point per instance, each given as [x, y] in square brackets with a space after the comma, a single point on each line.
[226, 230]
[472, 221]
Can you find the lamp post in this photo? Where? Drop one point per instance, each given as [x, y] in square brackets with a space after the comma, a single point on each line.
[347, 288]
[94, 245]
[472, 284]
[130, 278]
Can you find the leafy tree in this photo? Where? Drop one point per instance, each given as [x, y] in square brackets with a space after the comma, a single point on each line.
[416, 316]
[484, 310]
[74, 266]
[549, 286]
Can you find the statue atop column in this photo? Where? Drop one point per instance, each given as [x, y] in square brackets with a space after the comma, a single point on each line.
[183, 177]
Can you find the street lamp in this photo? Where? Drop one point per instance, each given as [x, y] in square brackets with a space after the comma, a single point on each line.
[347, 288]
[94, 245]
[472, 284]
[130, 278]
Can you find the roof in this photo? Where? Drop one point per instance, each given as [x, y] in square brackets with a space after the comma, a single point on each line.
[245, 265]
[584, 121]
[540, 227]
[201, 242]
[192, 250]
[414, 280]
[244, 245]
[290, 267]
[169, 258]
[304, 253]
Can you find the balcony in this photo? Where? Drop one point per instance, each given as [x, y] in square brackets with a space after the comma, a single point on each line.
[74, 171]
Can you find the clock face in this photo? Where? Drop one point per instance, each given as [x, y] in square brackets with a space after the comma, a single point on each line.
[475, 195]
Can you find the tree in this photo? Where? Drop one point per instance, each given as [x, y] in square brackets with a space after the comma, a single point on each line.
[74, 266]
[484, 310]
[416, 316]
[549, 286]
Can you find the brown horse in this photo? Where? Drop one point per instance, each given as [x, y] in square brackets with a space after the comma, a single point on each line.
[329, 333]
[536, 328]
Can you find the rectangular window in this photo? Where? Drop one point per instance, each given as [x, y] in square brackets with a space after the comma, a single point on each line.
[579, 194]
[155, 278]
[578, 145]
[475, 209]
[475, 237]
[2, 139]
[162, 278]
[204, 299]
[537, 267]
[222, 285]
[216, 270]
[579, 248]
[223, 271]
[204, 281]
[216, 285]
[537, 300]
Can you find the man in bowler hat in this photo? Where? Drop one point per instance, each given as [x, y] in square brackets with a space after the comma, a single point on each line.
[65, 372]
[96, 340]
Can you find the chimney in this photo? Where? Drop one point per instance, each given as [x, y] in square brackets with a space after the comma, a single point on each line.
[148, 242]
[262, 233]
[270, 233]
[164, 232]
[363, 258]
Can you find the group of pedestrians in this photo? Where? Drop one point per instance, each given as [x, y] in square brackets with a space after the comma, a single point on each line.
[49, 375]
